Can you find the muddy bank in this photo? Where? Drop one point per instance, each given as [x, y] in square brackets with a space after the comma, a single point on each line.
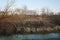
[23, 28]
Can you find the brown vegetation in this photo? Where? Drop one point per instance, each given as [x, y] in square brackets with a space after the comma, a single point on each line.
[27, 21]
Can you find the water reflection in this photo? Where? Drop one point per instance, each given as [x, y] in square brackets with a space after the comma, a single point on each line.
[30, 36]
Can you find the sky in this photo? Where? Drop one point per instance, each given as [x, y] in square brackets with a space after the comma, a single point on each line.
[52, 5]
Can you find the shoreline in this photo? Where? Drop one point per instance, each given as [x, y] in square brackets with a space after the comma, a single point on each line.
[11, 28]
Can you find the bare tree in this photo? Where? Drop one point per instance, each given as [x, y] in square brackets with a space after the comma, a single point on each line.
[43, 14]
[9, 5]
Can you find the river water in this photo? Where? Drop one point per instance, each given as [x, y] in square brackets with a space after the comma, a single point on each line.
[30, 36]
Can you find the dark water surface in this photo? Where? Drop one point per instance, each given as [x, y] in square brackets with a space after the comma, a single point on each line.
[51, 36]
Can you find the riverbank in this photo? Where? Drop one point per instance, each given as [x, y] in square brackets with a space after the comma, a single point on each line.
[8, 30]
[31, 25]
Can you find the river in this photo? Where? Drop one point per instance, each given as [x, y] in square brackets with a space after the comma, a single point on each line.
[30, 36]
